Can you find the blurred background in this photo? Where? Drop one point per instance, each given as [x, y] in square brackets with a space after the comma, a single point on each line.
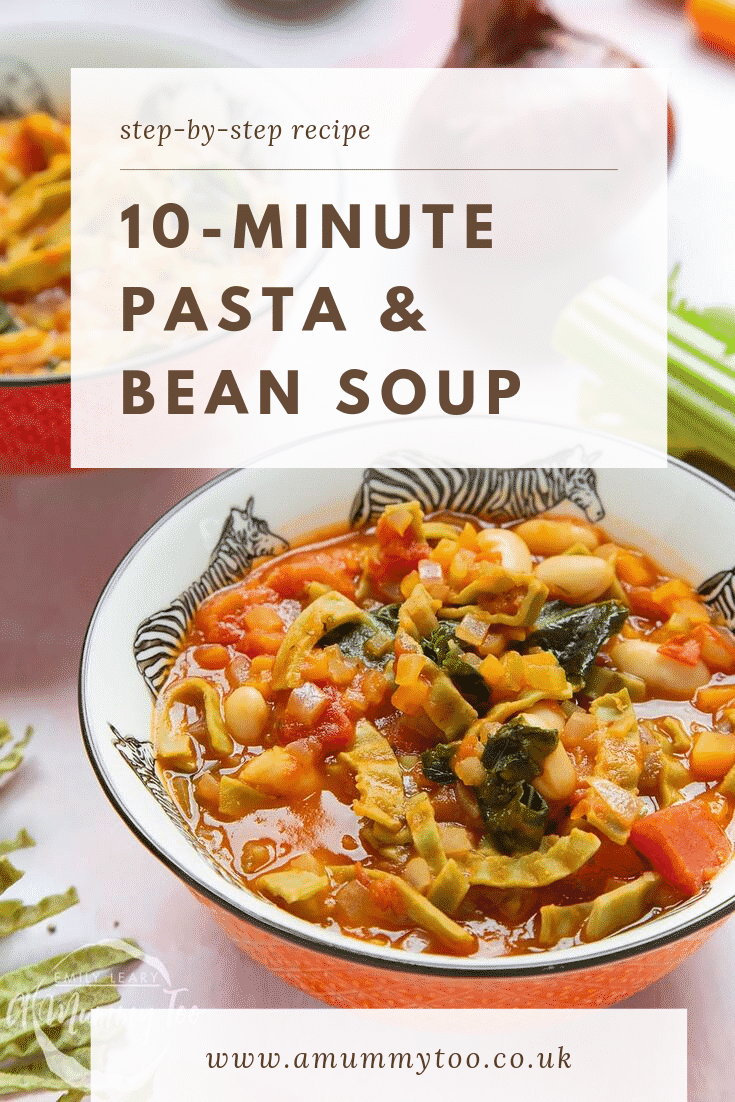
[61, 538]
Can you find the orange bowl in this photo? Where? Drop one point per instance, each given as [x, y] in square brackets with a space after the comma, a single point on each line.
[356, 985]
[145, 607]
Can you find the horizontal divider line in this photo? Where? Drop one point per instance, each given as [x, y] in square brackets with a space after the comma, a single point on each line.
[268, 168]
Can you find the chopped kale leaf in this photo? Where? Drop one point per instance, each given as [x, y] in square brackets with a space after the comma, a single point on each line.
[518, 825]
[440, 642]
[437, 763]
[387, 616]
[517, 751]
[575, 634]
[515, 814]
[352, 638]
[442, 647]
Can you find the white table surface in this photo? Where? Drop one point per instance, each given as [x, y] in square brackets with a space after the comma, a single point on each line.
[61, 538]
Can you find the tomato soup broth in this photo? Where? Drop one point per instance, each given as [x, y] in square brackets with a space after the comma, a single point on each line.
[456, 737]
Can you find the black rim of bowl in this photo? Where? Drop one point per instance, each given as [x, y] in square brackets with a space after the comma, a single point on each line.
[513, 967]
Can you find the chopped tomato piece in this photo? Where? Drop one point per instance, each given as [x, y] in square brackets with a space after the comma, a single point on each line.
[685, 650]
[386, 896]
[337, 569]
[612, 861]
[684, 844]
[643, 604]
[221, 618]
[333, 733]
[396, 559]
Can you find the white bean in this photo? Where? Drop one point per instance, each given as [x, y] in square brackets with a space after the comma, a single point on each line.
[546, 715]
[559, 777]
[577, 579]
[662, 674]
[514, 555]
[246, 714]
[551, 537]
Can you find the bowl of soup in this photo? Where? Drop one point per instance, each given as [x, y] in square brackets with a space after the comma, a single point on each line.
[433, 736]
[35, 269]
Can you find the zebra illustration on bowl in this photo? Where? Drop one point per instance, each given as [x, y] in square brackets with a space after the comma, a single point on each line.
[719, 593]
[512, 493]
[244, 538]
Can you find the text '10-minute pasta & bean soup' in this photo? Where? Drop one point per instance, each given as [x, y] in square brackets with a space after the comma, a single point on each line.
[457, 738]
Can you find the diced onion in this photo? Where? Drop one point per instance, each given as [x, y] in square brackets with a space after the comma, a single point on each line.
[455, 839]
[306, 704]
[418, 874]
[472, 630]
[471, 771]
[430, 571]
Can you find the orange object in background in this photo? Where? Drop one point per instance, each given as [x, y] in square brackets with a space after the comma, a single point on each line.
[714, 21]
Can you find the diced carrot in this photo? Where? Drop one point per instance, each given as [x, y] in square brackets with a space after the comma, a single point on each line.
[262, 618]
[211, 657]
[633, 569]
[684, 844]
[409, 699]
[718, 647]
[468, 538]
[409, 583]
[469, 747]
[687, 651]
[491, 669]
[444, 551]
[373, 685]
[694, 611]
[254, 643]
[713, 697]
[342, 669]
[542, 658]
[665, 595]
[260, 664]
[408, 668]
[713, 755]
[315, 666]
